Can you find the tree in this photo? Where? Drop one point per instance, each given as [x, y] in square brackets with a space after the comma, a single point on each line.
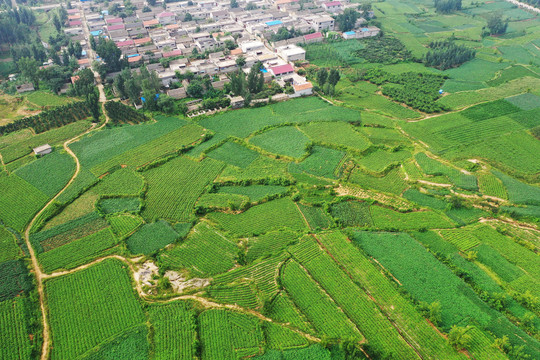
[151, 2]
[322, 75]
[447, 6]
[92, 43]
[459, 337]
[234, 4]
[238, 82]
[334, 77]
[29, 69]
[255, 80]
[166, 104]
[56, 22]
[110, 53]
[229, 44]
[434, 313]
[195, 89]
[240, 61]
[251, 6]
[188, 17]
[347, 20]
[92, 100]
[496, 24]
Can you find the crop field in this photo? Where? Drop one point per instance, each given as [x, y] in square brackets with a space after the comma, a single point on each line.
[234, 154]
[219, 252]
[68, 319]
[396, 207]
[151, 237]
[262, 218]
[322, 162]
[175, 331]
[172, 193]
[286, 140]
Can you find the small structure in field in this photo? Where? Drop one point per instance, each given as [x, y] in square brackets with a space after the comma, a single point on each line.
[43, 150]
[237, 102]
[24, 88]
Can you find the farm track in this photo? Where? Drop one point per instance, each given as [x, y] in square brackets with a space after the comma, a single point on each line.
[40, 276]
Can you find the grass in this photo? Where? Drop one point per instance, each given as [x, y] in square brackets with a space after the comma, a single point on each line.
[287, 140]
[151, 237]
[43, 98]
[79, 326]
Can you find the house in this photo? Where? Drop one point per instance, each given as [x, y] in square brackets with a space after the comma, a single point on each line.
[311, 38]
[332, 6]
[282, 70]
[349, 35]
[305, 89]
[43, 150]
[166, 17]
[83, 63]
[322, 22]
[291, 53]
[179, 93]
[237, 102]
[114, 21]
[24, 88]
[150, 23]
[251, 46]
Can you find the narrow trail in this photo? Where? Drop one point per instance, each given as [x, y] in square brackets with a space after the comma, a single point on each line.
[40, 276]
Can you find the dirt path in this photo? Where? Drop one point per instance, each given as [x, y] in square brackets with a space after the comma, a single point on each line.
[35, 263]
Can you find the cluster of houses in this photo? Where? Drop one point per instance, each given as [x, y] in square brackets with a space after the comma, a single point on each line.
[178, 29]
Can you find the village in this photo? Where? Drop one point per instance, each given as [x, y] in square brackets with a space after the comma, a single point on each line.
[227, 35]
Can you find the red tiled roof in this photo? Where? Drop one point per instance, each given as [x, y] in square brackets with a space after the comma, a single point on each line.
[237, 51]
[72, 11]
[176, 52]
[282, 69]
[74, 78]
[142, 41]
[150, 22]
[301, 87]
[74, 17]
[83, 61]
[134, 58]
[116, 27]
[313, 36]
[75, 23]
[333, 3]
[125, 43]
[165, 14]
[114, 21]
[172, 26]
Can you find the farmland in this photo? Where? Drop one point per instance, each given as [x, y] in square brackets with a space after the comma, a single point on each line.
[375, 219]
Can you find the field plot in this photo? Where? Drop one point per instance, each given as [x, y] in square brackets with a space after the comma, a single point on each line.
[380, 160]
[336, 133]
[229, 335]
[322, 162]
[173, 188]
[433, 167]
[50, 173]
[283, 310]
[425, 200]
[384, 136]
[526, 101]
[287, 140]
[490, 185]
[315, 217]
[262, 218]
[14, 279]
[16, 210]
[519, 192]
[14, 339]
[234, 154]
[119, 205]
[219, 252]
[100, 313]
[124, 224]
[261, 168]
[384, 218]
[242, 123]
[319, 308]
[458, 301]
[122, 182]
[269, 244]
[240, 293]
[77, 252]
[352, 213]
[351, 299]
[462, 239]
[511, 73]
[9, 250]
[400, 310]
[174, 331]
[84, 180]
[151, 237]
[131, 344]
[62, 234]
[279, 337]
[392, 182]
[106, 144]
[254, 192]
[146, 153]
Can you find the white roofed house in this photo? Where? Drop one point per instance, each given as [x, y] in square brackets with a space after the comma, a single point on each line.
[291, 53]
[166, 17]
[43, 150]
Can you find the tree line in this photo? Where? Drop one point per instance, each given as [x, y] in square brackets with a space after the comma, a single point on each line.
[446, 54]
[447, 6]
[49, 119]
[121, 114]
